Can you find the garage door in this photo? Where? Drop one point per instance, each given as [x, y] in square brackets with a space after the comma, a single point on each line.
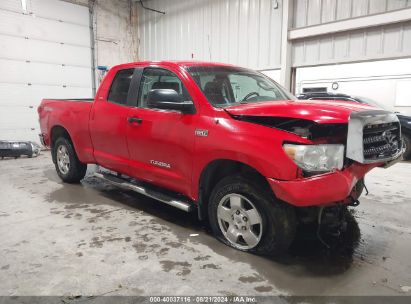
[45, 52]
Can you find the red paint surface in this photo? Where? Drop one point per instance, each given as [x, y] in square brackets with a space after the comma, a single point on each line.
[322, 189]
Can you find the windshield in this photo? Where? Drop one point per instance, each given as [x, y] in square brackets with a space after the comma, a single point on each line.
[226, 86]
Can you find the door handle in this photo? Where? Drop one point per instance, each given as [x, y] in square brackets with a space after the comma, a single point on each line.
[134, 120]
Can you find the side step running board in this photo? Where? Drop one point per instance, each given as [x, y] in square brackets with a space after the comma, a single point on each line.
[155, 194]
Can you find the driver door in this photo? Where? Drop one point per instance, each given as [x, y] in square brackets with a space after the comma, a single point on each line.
[161, 142]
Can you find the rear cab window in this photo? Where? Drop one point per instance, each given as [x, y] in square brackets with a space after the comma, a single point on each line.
[119, 88]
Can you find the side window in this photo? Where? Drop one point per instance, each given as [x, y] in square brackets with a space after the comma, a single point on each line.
[156, 78]
[119, 88]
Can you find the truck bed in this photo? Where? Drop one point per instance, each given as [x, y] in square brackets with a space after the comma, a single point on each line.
[72, 115]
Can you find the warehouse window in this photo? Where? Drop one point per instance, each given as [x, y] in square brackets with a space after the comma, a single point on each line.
[120, 86]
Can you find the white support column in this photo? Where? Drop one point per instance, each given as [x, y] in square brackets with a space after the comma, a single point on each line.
[286, 45]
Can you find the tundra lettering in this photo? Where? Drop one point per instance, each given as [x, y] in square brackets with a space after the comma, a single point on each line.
[160, 164]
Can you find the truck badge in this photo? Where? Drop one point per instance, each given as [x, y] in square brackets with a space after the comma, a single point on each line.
[160, 164]
[201, 132]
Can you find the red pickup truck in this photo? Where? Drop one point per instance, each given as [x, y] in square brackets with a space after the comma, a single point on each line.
[223, 140]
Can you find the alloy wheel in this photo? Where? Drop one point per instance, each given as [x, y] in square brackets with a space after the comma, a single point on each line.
[63, 159]
[239, 221]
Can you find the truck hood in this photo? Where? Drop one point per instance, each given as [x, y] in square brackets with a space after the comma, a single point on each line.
[319, 111]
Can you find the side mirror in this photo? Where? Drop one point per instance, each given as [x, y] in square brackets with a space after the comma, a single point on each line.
[167, 99]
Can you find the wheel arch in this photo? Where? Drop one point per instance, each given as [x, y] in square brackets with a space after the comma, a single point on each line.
[56, 132]
[218, 169]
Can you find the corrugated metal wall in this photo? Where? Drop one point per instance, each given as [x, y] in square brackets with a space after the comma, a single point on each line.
[248, 32]
[389, 41]
[243, 32]
[312, 12]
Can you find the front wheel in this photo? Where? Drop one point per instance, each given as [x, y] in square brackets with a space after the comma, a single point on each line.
[407, 143]
[68, 166]
[245, 216]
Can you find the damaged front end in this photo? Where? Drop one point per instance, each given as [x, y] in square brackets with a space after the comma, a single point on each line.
[369, 139]
[335, 156]
[326, 151]
[308, 129]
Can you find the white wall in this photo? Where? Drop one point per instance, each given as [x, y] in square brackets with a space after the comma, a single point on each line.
[382, 81]
[248, 32]
[45, 51]
[115, 32]
[381, 42]
[312, 12]
[115, 27]
[273, 74]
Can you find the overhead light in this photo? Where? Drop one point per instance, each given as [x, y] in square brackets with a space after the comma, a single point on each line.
[24, 5]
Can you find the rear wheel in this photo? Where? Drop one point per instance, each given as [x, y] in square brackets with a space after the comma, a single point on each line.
[245, 216]
[68, 166]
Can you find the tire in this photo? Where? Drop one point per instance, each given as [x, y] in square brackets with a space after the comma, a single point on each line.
[407, 153]
[358, 189]
[262, 225]
[67, 164]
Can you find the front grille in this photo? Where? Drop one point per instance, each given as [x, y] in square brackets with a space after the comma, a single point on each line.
[381, 141]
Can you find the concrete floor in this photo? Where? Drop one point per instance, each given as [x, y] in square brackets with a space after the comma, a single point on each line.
[93, 239]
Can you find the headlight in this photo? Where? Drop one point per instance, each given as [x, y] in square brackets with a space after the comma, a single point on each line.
[316, 158]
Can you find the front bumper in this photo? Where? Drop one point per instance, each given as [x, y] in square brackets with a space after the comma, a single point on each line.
[321, 189]
[337, 186]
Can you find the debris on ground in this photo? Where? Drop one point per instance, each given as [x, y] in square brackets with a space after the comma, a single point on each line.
[16, 149]
[405, 288]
